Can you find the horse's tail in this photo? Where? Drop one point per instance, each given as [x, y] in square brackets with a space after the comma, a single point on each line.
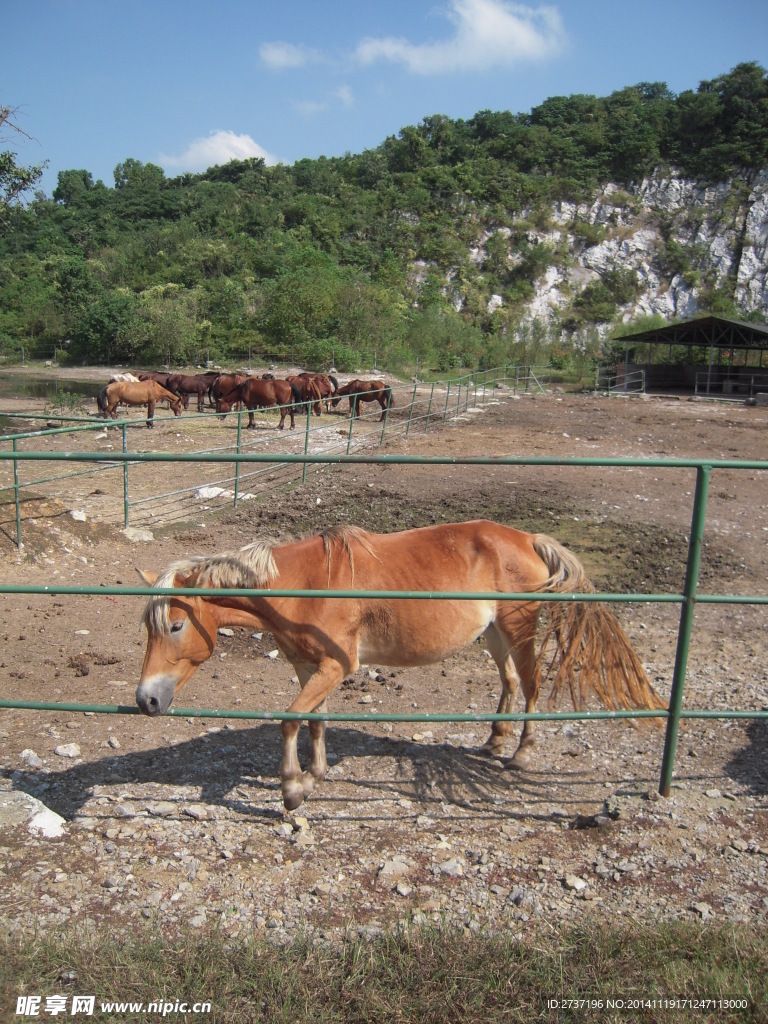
[101, 401]
[334, 383]
[296, 394]
[389, 397]
[592, 653]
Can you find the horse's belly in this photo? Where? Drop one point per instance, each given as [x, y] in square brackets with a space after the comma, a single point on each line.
[422, 632]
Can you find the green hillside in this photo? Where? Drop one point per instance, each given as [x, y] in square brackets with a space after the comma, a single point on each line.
[357, 259]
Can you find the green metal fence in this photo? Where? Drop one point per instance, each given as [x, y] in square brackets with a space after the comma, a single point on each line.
[688, 598]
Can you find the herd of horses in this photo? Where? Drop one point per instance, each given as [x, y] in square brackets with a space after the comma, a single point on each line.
[228, 391]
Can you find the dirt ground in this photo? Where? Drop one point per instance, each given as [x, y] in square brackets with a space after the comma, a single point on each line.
[180, 819]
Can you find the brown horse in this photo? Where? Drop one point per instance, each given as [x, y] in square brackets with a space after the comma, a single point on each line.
[316, 388]
[145, 392]
[159, 375]
[224, 383]
[184, 385]
[309, 390]
[327, 639]
[365, 391]
[255, 393]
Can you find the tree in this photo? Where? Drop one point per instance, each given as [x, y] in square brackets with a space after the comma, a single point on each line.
[72, 185]
[15, 180]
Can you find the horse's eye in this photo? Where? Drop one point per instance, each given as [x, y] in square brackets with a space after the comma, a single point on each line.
[177, 625]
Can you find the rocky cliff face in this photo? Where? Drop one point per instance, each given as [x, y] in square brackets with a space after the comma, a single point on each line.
[681, 241]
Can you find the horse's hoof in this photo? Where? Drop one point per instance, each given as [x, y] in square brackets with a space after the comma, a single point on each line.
[520, 762]
[495, 750]
[293, 795]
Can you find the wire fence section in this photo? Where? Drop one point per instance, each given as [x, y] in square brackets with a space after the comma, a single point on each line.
[133, 498]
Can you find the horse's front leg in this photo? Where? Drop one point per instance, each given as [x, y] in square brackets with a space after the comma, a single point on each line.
[150, 414]
[316, 686]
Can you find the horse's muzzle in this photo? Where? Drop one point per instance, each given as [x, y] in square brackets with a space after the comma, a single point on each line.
[154, 696]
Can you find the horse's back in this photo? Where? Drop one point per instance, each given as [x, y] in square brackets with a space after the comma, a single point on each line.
[478, 556]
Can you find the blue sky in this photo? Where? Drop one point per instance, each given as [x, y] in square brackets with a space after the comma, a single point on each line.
[188, 84]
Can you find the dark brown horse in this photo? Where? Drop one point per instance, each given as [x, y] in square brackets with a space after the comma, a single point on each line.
[143, 392]
[184, 385]
[255, 393]
[365, 391]
[158, 375]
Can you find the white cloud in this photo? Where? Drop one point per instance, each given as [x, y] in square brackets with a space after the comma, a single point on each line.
[282, 56]
[308, 108]
[488, 33]
[344, 95]
[219, 147]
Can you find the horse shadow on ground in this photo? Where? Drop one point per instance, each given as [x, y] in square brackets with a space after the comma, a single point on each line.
[237, 770]
[749, 765]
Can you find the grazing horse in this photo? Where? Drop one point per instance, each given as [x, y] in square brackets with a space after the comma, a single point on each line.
[255, 393]
[327, 639]
[224, 383]
[184, 385]
[159, 375]
[145, 392]
[316, 385]
[309, 389]
[365, 391]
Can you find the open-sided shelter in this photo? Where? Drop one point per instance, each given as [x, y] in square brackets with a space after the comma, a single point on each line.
[710, 355]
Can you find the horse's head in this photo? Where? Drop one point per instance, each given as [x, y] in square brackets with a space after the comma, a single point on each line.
[181, 635]
[177, 407]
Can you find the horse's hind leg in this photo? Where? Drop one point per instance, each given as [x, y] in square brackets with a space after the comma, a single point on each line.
[515, 665]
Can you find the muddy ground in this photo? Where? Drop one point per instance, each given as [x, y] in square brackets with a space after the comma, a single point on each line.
[180, 821]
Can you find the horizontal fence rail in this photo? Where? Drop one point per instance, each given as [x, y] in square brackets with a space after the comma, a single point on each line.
[687, 598]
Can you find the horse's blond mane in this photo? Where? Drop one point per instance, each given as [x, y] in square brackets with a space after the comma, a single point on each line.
[343, 536]
[252, 566]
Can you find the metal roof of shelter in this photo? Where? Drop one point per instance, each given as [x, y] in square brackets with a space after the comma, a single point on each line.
[706, 332]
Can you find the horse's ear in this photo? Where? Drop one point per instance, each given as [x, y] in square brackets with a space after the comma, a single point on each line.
[150, 578]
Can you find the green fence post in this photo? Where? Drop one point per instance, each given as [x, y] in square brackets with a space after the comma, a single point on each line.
[429, 407]
[447, 396]
[410, 411]
[349, 435]
[686, 626]
[306, 443]
[126, 504]
[239, 447]
[16, 496]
